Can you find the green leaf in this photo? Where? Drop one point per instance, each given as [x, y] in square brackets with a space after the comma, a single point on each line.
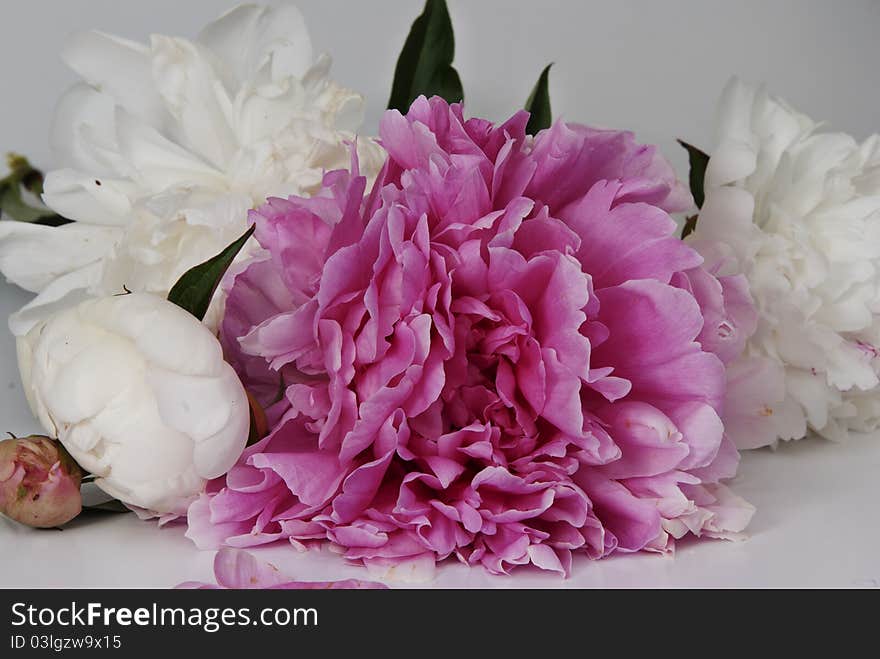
[538, 104]
[29, 176]
[425, 63]
[24, 176]
[11, 204]
[194, 290]
[689, 225]
[698, 162]
[53, 220]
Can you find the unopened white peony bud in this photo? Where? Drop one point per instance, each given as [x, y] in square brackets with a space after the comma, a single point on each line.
[137, 391]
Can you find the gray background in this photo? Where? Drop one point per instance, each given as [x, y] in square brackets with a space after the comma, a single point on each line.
[654, 67]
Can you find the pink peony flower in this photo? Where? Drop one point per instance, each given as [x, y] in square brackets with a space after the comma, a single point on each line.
[237, 569]
[502, 354]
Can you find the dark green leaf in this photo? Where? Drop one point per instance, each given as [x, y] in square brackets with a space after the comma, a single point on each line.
[29, 176]
[259, 427]
[53, 220]
[194, 290]
[538, 104]
[698, 161]
[689, 225]
[111, 506]
[23, 176]
[253, 435]
[13, 205]
[425, 63]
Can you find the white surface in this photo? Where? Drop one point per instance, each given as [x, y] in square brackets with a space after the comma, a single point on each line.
[652, 67]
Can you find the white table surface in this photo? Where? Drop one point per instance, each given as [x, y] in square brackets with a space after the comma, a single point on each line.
[818, 524]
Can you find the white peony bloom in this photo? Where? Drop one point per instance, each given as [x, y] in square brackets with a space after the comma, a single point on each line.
[165, 146]
[798, 210]
[137, 391]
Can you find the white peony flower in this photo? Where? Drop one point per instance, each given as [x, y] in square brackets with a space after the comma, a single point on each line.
[165, 147]
[137, 391]
[799, 212]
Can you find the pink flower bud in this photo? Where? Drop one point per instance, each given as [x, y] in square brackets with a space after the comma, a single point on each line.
[39, 482]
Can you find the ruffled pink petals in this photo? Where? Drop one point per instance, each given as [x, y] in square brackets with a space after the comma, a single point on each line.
[701, 430]
[571, 158]
[630, 521]
[729, 316]
[622, 241]
[730, 513]
[239, 570]
[412, 142]
[284, 338]
[649, 442]
[208, 534]
[502, 354]
[311, 475]
[664, 373]
[362, 484]
[563, 406]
